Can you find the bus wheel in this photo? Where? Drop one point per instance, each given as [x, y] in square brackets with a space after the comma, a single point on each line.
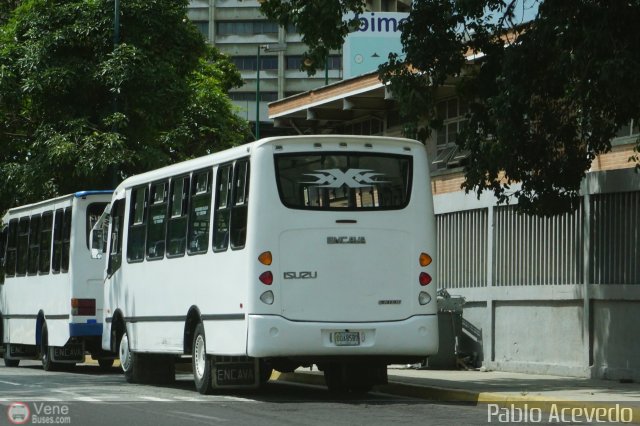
[128, 360]
[46, 351]
[201, 362]
[11, 362]
[105, 363]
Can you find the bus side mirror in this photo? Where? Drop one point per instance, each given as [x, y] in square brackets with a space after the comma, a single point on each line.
[97, 243]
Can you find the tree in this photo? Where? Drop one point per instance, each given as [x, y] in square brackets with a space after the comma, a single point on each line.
[545, 96]
[78, 113]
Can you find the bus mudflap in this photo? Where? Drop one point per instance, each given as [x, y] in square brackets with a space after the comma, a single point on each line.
[71, 352]
[235, 372]
[16, 351]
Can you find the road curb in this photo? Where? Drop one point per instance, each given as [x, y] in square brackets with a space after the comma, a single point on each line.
[502, 400]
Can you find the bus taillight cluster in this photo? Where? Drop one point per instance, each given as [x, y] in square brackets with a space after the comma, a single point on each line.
[266, 277]
[83, 307]
[424, 278]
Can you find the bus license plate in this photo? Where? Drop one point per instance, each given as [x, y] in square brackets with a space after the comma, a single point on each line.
[346, 338]
[68, 353]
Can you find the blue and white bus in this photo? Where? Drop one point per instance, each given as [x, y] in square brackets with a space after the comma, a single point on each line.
[285, 252]
[51, 288]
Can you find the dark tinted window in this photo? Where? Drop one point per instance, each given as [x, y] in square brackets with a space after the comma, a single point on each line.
[23, 246]
[178, 209]
[11, 254]
[337, 181]
[34, 245]
[57, 240]
[46, 226]
[223, 208]
[137, 224]
[199, 212]
[115, 245]
[157, 220]
[66, 240]
[239, 208]
[94, 211]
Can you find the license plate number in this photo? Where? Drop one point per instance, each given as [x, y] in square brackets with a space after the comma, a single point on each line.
[69, 352]
[346, 338]
[236, 374]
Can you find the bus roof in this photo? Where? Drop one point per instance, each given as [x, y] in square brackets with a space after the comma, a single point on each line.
[78, 194]
[242, 151]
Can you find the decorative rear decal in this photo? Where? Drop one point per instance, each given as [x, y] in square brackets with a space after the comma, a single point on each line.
[353, 178]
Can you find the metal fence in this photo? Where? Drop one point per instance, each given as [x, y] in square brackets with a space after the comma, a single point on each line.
[615, 238]
[529, 250]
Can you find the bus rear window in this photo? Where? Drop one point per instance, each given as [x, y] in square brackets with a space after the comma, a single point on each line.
[344, 181]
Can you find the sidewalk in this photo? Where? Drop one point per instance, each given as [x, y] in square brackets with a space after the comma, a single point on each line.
[511, 390]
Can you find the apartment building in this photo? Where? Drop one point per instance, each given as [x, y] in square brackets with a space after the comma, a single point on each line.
[237, 28]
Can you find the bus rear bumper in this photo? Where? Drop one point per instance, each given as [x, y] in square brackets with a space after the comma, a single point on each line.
[275, 336]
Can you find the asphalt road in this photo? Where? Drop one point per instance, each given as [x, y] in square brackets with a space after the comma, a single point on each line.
[87, 396]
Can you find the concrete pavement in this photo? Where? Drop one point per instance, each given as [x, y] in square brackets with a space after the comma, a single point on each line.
[553, 395]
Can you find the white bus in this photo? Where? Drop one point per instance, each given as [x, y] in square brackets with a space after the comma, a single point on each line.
[281, 253]
[51, 301]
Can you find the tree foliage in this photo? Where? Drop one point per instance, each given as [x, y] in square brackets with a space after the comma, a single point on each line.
[77, 112]
[545, 96]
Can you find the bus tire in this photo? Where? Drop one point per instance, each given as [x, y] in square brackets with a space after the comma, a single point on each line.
[11, 362]
[46, 351]
[128, 359]
[201, 362]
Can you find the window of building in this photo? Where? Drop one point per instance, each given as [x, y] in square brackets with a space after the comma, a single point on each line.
[203, 27]
[630, 129]
[45, 242]
[199, 212]
[294, 62]
[251, 96]
[137, 224]
[452, 112]
[34, 245]
[177, 226]
[157, 220]
[248, 63]
[246, 27]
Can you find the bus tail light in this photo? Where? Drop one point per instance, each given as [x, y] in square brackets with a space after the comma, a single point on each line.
[425, 279]
[265, 258]
[424, 298]
[83, 306]
[425, 259]
[266, 278]
[267, 297]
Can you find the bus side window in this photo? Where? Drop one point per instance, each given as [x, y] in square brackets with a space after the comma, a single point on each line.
[240, 203]
[178, 208]
[3, 250]
[23, 246]
[137, 224]
[66, 240]
[11, 255]
[115, 248]
[57, 241]
[34, 245]
[157, 221]
[222, 209]
[199, 212]
[45, 242]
